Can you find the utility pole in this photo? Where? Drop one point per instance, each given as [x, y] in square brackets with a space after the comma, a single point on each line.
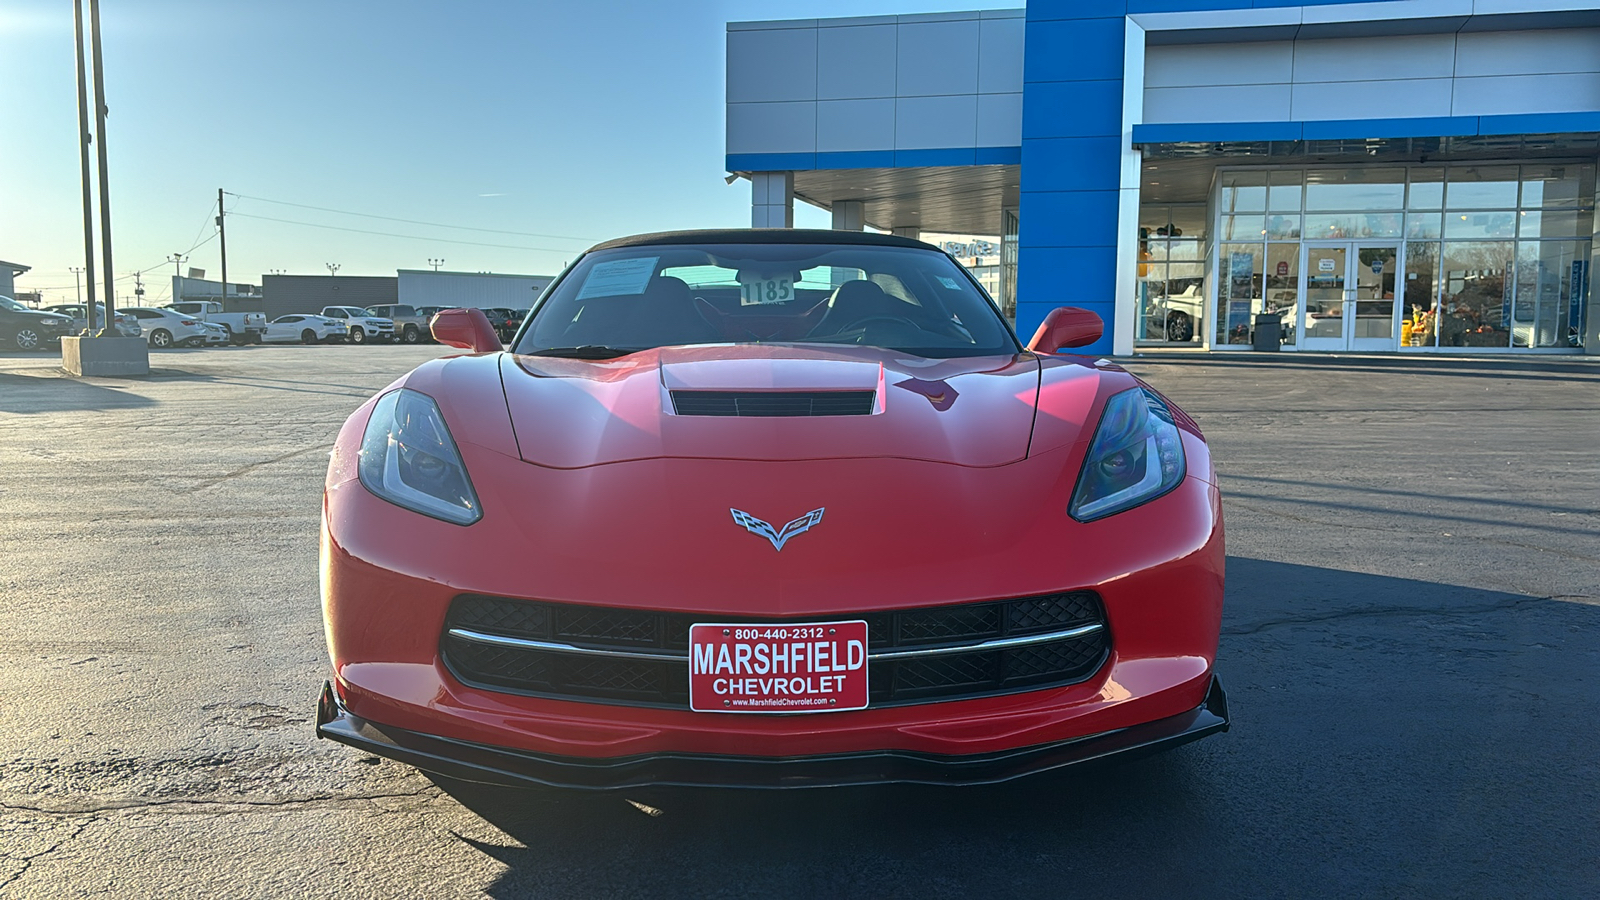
[84, 138]
[105, 184]
[436, 263]
[138, 287]
[222, 234]
[77, 285]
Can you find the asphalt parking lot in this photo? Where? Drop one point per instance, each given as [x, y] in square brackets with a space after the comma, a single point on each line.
[1411, 649]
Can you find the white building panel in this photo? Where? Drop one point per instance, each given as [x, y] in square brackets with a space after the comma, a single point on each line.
[1513, 94]
[854, 62]
[856, 125]
[801, 86]
[1378, 58]
[772, 127]
[772, 65]
[1377, 77]
[1196, 65]
[1000, 55]
[999, 120]
[1222, 103]
[1527, 52]
[931, 123]
[469, 289]
[937, 58]
[1416, 97]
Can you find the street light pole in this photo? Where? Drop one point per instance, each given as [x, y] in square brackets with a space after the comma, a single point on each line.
[77, 285]
[177, 260]
[436, 263]
[333, 268]
[84, 137]
[105, 188]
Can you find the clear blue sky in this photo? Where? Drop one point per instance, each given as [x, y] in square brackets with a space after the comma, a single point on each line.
[583, 120]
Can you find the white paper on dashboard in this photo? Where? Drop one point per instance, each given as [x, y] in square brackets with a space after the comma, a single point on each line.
[618, 277]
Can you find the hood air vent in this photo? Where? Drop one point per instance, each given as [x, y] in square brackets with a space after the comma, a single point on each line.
[772, 403]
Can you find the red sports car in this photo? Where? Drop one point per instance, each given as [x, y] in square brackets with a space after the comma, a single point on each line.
[769, 508]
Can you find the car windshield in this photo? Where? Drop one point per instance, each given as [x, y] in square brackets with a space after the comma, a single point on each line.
[901, 298]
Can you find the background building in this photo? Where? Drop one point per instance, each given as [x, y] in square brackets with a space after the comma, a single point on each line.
[241, 297]
[285, 294]
[425, 287]
[1383, 175]
[8, 273]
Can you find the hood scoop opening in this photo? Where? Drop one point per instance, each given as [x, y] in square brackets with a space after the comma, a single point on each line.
[773, 404]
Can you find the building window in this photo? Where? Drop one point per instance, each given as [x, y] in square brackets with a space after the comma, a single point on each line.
[1171, 288]
[1492, 255]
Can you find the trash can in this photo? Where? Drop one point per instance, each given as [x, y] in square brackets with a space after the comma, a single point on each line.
[1269, 332]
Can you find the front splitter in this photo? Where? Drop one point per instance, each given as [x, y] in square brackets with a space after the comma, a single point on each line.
[468, 761]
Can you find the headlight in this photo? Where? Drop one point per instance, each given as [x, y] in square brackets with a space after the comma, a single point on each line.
[409, 459]
[1135, 457]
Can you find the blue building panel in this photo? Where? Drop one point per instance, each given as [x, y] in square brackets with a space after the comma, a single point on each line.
[1072, 109]
[1073, 50]
[1072, 164]
[1067, 218]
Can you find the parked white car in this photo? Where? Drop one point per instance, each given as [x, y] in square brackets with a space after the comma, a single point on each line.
[306, 329]
[364, 324]
[165, 328]
[216, 334]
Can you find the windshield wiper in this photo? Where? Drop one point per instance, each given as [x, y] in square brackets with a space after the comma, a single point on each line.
[587, 351]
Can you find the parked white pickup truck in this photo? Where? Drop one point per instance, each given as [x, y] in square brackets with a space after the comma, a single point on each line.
[243, 327]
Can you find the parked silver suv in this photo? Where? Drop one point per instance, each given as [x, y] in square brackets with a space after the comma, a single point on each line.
[410, 325]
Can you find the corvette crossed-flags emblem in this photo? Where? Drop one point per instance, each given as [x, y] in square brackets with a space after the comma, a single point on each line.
[778, 537]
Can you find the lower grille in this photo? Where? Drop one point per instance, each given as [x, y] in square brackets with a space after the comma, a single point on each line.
[640, 658]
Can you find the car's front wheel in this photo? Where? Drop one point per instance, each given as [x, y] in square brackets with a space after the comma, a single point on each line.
[358, 336]
[161, 338]
[1180, 327]
[411, 335]
[27, 338]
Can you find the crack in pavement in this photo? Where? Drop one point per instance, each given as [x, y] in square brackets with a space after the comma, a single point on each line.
[27, 861]
[139, 805]
[1381, 611]
[212, 482]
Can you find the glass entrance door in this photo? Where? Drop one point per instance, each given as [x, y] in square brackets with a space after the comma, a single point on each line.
[1347, 290]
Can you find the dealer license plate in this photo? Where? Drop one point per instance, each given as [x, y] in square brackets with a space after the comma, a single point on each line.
[804, 668]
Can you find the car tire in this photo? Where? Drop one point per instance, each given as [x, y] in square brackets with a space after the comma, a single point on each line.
[234, 338]
[358, 336]
[161, 338]
[1180, 327]
[411, 334]
[27, 339]
[308, 336]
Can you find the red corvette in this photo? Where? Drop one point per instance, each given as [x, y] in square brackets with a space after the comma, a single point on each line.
[768, 508]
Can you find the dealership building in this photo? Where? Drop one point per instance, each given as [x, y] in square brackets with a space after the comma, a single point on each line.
[1406, 176]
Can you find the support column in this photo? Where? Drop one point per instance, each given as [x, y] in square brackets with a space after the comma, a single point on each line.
[910, 231]
[771, 199]
[850, 215]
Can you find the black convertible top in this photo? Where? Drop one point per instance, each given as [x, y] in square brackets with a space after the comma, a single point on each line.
[764, 236]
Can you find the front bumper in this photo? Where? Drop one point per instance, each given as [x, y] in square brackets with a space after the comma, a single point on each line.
[503, 766]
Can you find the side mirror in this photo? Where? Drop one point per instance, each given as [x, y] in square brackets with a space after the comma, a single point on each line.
[468, 329]
[1066, 326]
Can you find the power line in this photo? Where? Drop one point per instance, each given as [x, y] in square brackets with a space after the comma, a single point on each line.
[414, 237]
[346, 212]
